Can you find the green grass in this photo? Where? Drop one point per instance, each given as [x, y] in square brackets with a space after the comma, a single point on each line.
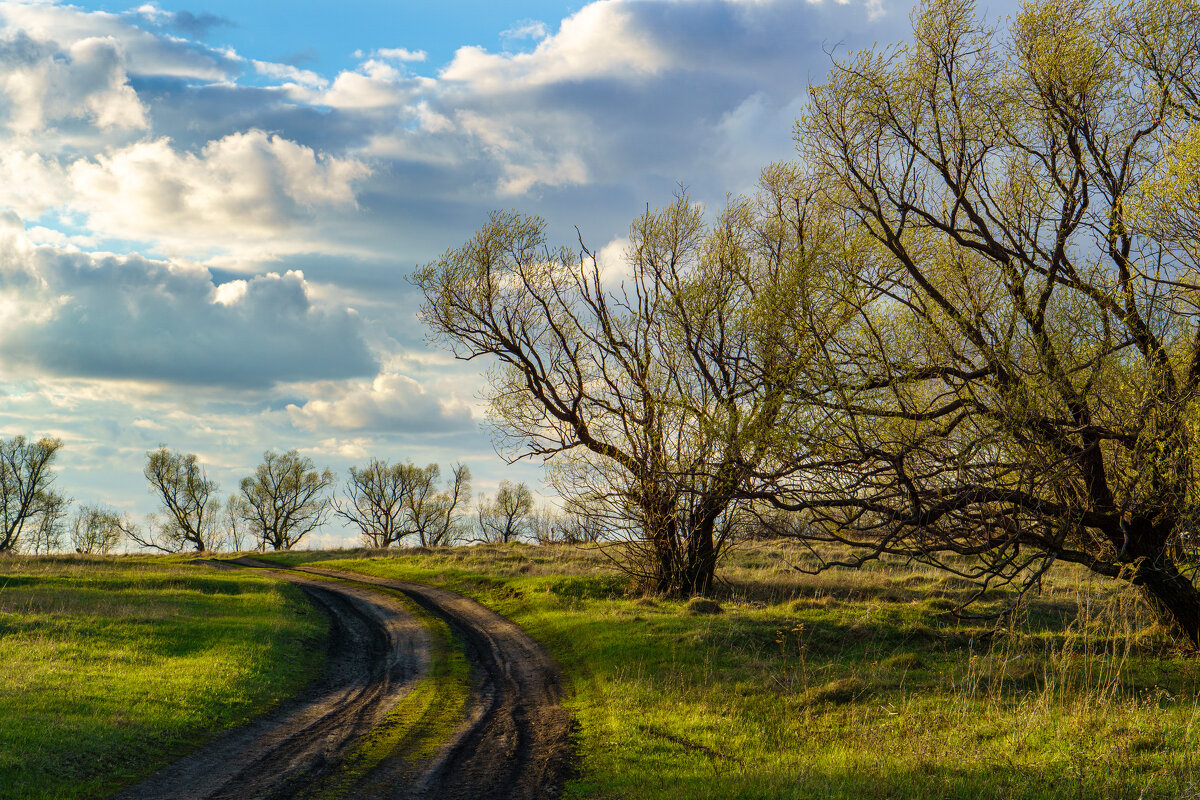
[843, 685]
[111, 667]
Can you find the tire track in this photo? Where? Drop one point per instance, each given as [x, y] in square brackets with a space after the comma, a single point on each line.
[514, 741]
[376, 653]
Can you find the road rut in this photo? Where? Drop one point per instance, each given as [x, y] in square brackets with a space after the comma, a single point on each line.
[514, 742]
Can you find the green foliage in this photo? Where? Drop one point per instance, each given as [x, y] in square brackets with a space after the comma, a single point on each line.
[26, 475]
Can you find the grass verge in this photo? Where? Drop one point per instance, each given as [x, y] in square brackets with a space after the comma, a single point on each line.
[112, 667]
[842, 685]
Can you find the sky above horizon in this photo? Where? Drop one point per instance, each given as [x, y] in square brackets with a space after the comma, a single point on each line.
[208, 212]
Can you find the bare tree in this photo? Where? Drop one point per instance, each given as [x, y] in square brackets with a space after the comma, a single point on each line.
[25, 479]
[429, 513]
[580, 522]
[97, 529]
[543, 525]
[1019, 375]
[659, 395]
[505, 517]
[187, 497]
[284, 500]
[234, 516]
[375, 501]
[49, 531]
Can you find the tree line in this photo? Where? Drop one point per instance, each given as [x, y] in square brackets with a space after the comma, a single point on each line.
[286, 498]
[963, 327]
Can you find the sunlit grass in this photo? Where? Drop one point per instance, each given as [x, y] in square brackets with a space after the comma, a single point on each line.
[111, 667]
[842, 685]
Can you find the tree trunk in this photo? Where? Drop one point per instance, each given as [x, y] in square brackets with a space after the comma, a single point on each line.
[702, 558]
[1173, 597]
[665, 579]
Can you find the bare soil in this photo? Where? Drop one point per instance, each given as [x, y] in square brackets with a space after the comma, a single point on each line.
[514, 742]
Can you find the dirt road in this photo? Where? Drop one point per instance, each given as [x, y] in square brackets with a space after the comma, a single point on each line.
[514, 742]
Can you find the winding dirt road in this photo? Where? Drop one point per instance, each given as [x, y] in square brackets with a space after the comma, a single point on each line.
[514, 742]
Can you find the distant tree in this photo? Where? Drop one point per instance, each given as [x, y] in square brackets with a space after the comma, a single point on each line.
[234, 516]
[375, 501]
[25, 480]
[285, 499]
[97, 529]
[580, 522]
[430, 513]
[49, 530]
[544, 525]
[505, 517]
[187, 497]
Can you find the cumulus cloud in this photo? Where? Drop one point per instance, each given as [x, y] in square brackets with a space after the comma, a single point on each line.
[391, 402]
[601, 39]
[245, 185]
[80, 314]
[45, 85]
[146, 52]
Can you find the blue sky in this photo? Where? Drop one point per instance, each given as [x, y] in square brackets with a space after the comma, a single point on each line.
[208, 212]
[325, 36]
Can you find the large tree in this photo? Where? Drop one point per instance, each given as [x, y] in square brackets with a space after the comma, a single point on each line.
[188, 500]
[26, 476]
[285, 499]
[1017, 376]
[656, 390]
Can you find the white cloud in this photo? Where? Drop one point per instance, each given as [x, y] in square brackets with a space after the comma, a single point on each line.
[286, 72]
[613, 262]
[31, 182]
[401, 54]
[243, 186]
[84, 82]
[390, 402]
[601, 39]
[96, 315]
[526, 29]
[145, 53]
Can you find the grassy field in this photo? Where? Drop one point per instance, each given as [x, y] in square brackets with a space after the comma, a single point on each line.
[111, 667]
[843, 685]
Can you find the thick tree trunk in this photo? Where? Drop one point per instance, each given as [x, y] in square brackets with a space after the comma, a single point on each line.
[664, 550]
[702, 559]
[1171, 594]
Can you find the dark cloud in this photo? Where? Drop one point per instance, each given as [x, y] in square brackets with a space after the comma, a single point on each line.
[305, 57]
[133, 318]
[197, 26]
